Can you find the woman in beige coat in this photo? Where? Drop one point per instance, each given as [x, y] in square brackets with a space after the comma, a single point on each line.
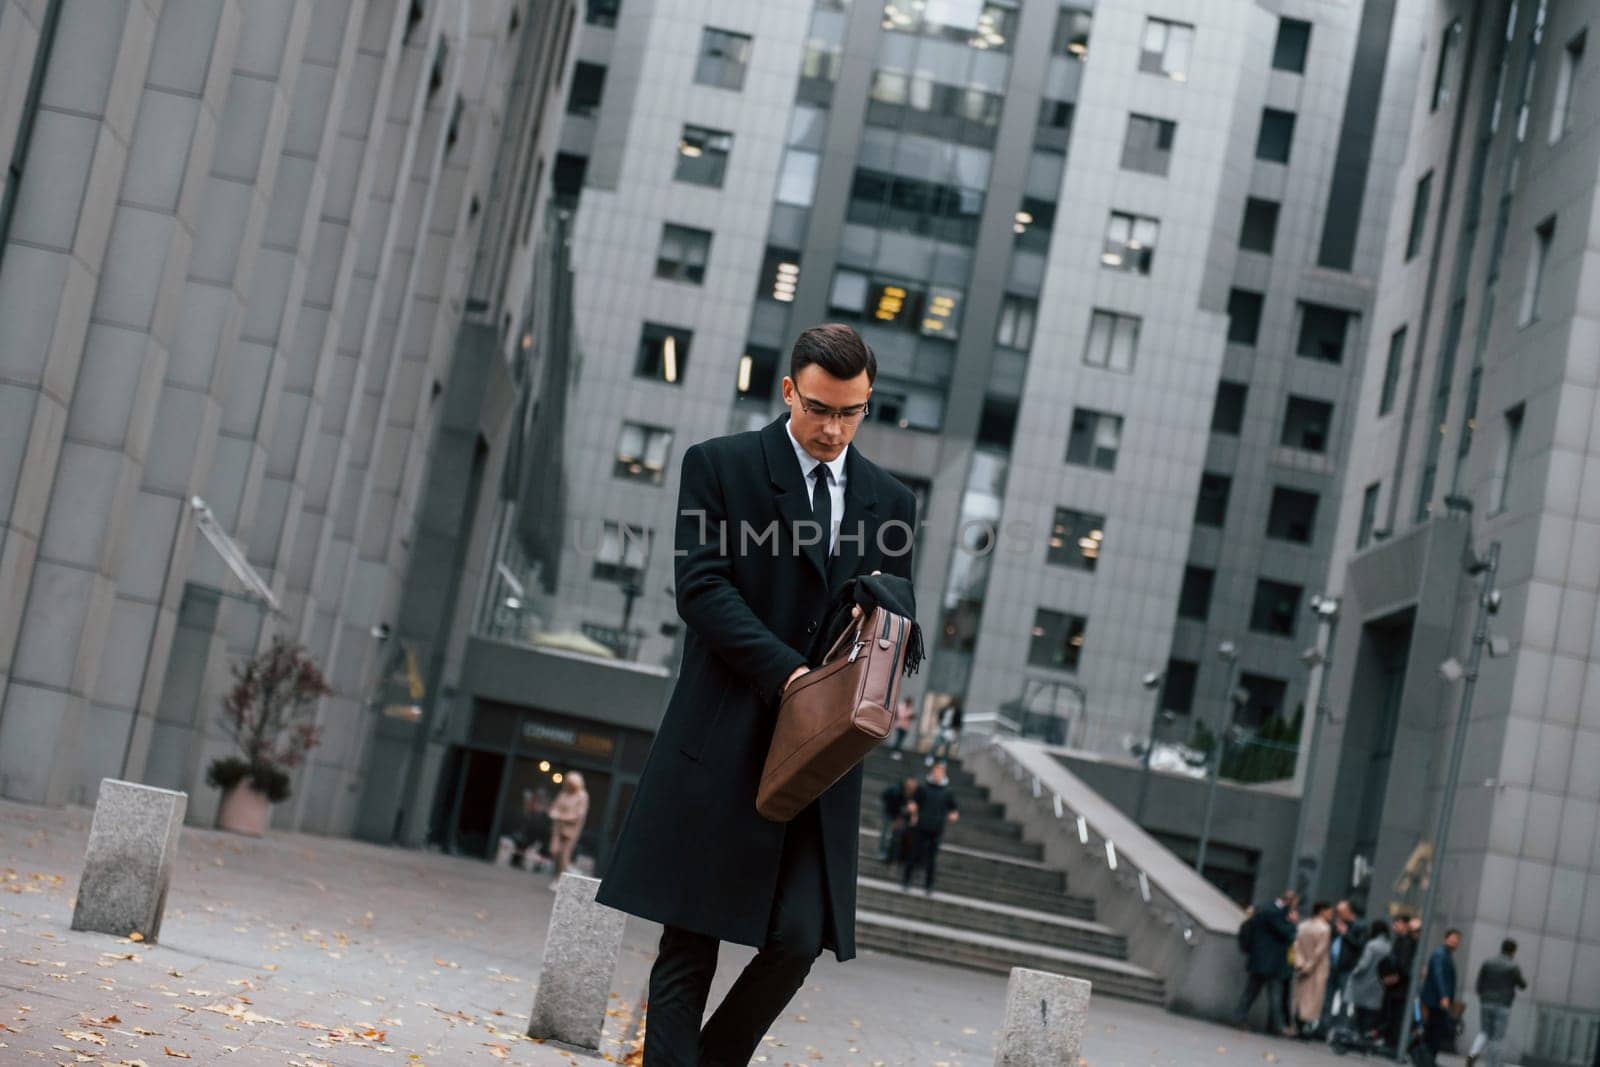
[1311, 945]
[567, 816]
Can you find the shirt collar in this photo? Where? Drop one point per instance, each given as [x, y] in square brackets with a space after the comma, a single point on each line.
[808, 462]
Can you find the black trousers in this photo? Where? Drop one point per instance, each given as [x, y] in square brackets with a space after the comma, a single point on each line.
[680, 981]
[922, 852]
[1273, 987]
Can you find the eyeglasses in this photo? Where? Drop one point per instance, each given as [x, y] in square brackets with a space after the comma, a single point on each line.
[855, 413]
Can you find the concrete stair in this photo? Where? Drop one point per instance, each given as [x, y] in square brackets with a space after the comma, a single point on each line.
[997, 904]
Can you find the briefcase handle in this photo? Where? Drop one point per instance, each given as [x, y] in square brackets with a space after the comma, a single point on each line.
[848, 636]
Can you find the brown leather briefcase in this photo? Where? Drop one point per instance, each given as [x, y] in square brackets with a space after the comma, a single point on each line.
[831, 717]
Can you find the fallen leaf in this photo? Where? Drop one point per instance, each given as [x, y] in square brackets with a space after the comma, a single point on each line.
[175, 1054]
[499, 1052]
[136, 937]
[84, 1036]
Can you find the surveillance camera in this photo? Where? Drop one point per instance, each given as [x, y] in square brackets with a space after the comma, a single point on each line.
[1499, 647]
[1311, 657]
[1491, 601]
[1152, 680]
[1450, 670]
[1227, 650]
[1325, 607]
[381, 631]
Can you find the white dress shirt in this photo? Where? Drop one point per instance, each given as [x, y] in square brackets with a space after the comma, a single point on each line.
[808, 468]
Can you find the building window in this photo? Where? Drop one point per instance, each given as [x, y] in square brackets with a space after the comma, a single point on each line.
[1017, 317]
[1094, 439]
[566, 180]
[1211, 506]
[588, 86]
[1227, 413]
[1322, 333]
[758, 373]
[1306, 423]
[797, 182]
[683, 254]
[1276, 608]
[1369, 515]
[603, 12]
[1054, 129]
[1391, 371]
[723, 59]
[1293, 516]
[1076, 539]
[910, 205]
[932, 312]
[1506, 463]
[1294, 41]
[703, 156]
[780, 275]
[1561, 108]
[1148, 146]
[1244, 315]
[1448, 70]
[622, 554]
[1263, 701]
[1113, 340]
[1072, 33]
[1531, 290]
[1259, 231]
[642, 453]
[1419, 215]
[997, 423]
[1165, 48]
[1194, 601]
[1276, 135]
[663, 353]
[1057, 640]
[1177, 687]
[1130, 242]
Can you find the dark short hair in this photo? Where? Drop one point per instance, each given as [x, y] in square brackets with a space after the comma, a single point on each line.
[1508, 947]
[1321, 906]
[837, 349]
[1452, 930]
[1379, 928]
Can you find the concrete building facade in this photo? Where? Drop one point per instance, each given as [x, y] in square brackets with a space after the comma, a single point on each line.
[240, 243]
[1477, 424]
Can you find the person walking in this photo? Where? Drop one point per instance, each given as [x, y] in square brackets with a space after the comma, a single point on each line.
[532, 834]
[934, 808]
[770, 524]
[1438, 996]
[1312, 942]
[1407, 930]
[1265, 939]
[1367, 987]
[945, 745]
[567, 816]
[905, 715]
[1499, 978]
[895, 801]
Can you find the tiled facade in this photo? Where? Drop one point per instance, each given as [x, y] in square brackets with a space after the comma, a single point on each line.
[238, 261]
[1484, 428]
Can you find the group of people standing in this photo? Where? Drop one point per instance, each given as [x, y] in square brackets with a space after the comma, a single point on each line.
[548, 832]
[1330, 967]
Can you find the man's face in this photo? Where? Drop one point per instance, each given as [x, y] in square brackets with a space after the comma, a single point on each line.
[1452, 941]
[824, 436]
[1416, 925]
[911, 785]
[1345, 913]
[938, 774]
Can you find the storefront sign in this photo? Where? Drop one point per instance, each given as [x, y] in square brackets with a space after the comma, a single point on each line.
[590, 744]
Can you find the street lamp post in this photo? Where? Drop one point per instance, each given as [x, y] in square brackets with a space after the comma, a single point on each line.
[1228, 652]
[1488, 604]
[1326, 610]
[1152, 682]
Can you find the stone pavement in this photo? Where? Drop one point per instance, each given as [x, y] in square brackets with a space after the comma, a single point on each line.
[311, 951]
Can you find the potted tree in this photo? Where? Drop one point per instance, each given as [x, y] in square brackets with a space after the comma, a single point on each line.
[268, 714]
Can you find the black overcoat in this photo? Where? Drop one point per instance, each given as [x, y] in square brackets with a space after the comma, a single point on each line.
[693, 852]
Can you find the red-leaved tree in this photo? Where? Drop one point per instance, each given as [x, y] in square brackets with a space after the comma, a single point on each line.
[269, 714]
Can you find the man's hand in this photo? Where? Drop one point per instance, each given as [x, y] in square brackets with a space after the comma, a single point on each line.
[797, 672]
[955, 816]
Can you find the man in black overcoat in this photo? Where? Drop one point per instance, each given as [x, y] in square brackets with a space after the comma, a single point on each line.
[769, 524]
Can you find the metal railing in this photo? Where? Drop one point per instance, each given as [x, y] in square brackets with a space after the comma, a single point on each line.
[1102, 848]
[1563, 1037]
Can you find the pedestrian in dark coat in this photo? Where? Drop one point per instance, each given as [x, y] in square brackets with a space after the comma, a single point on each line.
[1265, 939]
[754, 577]
[1438, 994]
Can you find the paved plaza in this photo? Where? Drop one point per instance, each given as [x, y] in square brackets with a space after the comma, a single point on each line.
[304, 950]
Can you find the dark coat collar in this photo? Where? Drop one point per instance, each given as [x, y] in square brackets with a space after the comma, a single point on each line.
[794, 503]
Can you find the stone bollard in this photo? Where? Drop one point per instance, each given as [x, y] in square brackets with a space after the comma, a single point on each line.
[1045, 1017]
[580, 955]
[133, 845]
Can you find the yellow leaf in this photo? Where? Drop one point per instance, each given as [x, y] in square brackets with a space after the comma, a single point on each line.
[176, 1054]
[136, 937]
[499, 1052]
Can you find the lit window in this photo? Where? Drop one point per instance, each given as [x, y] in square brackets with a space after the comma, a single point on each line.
[1076, 539]
[663, 353]
[1072, 33]
[780, 275]
[703, 156]
[1130, 243]
[758, 373]
[642, 452]
[1056, 640]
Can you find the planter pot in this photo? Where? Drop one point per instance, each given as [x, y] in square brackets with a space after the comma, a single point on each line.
[245, 809]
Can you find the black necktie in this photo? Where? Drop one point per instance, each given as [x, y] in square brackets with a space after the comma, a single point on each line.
[822, 504]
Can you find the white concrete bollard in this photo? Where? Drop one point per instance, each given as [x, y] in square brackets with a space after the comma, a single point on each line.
[580, 956]
[127, 867]
[1044, 1021]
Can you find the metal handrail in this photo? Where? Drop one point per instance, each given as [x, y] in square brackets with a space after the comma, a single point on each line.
[1168, 910]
